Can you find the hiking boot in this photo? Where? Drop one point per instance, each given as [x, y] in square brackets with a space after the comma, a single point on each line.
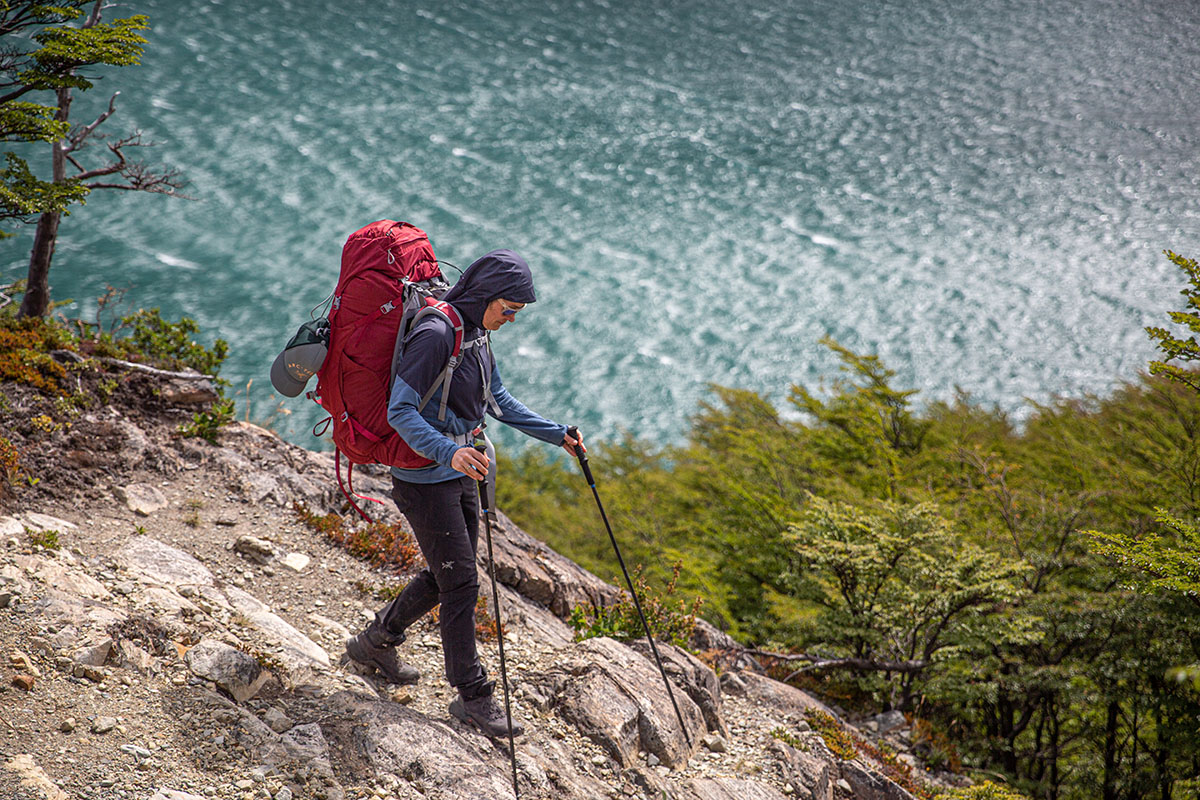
[486, 714]
[373, 650]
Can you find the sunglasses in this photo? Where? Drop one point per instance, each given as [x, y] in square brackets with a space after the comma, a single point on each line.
[507, 310]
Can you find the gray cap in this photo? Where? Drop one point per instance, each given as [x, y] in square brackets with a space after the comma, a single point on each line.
[301, 358]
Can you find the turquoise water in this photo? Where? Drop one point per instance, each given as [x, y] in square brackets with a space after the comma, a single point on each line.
[978, 192]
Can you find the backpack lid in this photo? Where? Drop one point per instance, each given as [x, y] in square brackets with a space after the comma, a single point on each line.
[301, 357]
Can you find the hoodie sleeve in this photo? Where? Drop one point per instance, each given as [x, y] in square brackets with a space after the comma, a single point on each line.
[425, 356]
[514, 413]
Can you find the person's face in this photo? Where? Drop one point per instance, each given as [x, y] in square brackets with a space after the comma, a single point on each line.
[499, 312]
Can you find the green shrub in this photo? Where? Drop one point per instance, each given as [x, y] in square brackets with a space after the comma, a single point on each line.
[671, 622]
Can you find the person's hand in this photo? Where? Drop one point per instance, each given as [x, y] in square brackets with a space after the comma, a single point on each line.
[470, 462]
[570, 442]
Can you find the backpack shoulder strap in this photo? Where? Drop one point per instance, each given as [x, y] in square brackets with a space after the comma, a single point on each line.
[447, 312]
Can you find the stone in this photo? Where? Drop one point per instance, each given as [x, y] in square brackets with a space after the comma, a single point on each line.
[23, 681]
[731, 683]
[23, 663]
[889, 721]
[401, 696]
[188, 392]
[159, 563]
[5, 599]
[102, 725]
[260, 551]
[296, 562]
[284, 794]
[93, 655]
[67, 725]
[232, 670]
[140, 753]
[715, 743]
[277, 720]
[141, 498]
[11, 526]
[172, 794]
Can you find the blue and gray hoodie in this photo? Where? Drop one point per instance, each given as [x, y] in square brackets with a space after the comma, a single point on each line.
[500, 273]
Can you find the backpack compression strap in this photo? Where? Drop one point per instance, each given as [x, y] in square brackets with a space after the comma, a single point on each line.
[450, 314]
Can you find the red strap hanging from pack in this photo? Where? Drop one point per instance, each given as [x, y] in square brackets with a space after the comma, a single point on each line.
[349, 492]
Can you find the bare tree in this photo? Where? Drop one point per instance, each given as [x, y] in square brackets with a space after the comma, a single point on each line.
[119, 172]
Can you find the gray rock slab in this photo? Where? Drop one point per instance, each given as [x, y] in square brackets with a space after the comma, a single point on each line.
[445, 762]
[11, 526]
[781, 697]
[868, 785]
[231, 669]
[70, 581]
[605, 681]
[141, 498]
[812, 773]
[45, 522]
[153, 561]
[694, 677]
[299, 655]
[733, 789]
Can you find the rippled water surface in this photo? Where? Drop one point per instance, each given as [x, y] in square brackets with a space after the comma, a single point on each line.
[979, 192]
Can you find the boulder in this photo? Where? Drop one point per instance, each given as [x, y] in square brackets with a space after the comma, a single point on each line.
[141, 498]
[231, 669]
[260, 551]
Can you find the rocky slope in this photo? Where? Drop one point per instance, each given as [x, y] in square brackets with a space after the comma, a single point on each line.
[171, 629]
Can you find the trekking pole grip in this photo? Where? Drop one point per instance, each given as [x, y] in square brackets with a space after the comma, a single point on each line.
[581, 454]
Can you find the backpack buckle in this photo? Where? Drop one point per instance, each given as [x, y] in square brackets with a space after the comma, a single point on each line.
[386, 307]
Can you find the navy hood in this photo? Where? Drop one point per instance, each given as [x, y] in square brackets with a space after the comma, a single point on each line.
[500, 273]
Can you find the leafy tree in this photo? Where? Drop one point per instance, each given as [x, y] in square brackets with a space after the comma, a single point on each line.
[898, 589]
[1175, 349]
[43, 51]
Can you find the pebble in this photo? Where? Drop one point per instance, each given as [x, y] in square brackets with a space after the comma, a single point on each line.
[244, 784]
[103, 725]
[139, 753]
[23, 681]
[599, 761]
[284, 794]
[67, 725]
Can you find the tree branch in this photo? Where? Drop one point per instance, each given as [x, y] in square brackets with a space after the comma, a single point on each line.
[77, 137]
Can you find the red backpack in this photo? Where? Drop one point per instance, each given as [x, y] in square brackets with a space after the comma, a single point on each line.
[389, 278]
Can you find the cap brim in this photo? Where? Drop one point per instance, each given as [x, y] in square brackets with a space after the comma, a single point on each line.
[294, 366]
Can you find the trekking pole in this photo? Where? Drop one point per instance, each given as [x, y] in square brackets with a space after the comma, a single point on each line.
[581, 454]
[488, 516]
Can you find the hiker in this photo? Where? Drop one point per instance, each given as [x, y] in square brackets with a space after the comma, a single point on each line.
[440, 501]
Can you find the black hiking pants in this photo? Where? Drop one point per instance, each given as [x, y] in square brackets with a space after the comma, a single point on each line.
[445, 518]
